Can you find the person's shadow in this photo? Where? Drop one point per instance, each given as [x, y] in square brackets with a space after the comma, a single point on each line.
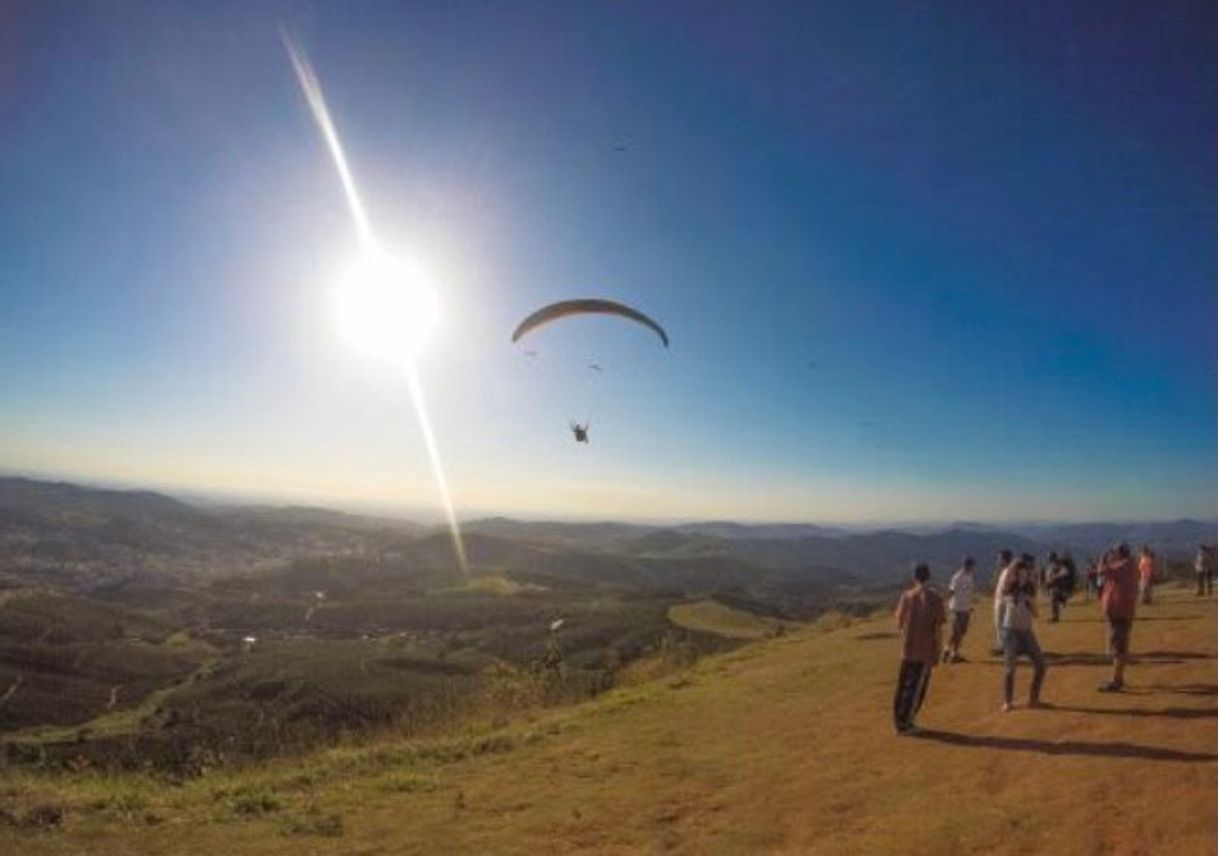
[1169, 712]
[1185, 689]
[1080, 620]
[1066, 747]
[1144, 658]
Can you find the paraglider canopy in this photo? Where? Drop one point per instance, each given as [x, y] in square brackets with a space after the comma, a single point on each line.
[585, 306]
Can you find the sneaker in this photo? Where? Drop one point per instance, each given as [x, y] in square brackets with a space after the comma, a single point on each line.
[959, 658]
[1007, 707]
[1111, 687]
[1035, 702]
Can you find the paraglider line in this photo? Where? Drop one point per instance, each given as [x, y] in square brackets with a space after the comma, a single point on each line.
[311, 89]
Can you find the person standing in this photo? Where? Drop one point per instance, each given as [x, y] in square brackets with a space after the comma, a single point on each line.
[1046, 570]
[1019, 594]
[1048, 580]
[1089, 579]
[1211, 566]
[1004, 562]
[920, 616]
[1119, 603]
[960, 604]
[1062, 577]
[1204, 567]
[1146, 574]
[1067, 583]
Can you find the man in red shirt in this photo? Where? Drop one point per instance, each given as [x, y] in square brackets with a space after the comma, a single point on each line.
[1146, 571]
[920, 616]
[1119, 602]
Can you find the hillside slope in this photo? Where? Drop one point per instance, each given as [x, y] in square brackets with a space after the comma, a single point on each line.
[783, 746]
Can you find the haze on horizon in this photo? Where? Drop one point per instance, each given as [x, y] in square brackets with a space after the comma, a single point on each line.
[914, 267]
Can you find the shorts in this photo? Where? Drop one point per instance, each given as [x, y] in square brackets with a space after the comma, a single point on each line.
[960, 623]
[1017, 643]
[1118, 635]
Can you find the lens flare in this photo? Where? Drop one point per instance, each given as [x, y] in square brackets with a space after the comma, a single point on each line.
[379, 284]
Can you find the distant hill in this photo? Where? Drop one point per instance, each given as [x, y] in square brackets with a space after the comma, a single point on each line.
[870, 557]
[608, 534]
[47, 499]
[1173, 538]
[601, 535]
[728, 529]
[60, 534]
[66, 535]
[299, 516]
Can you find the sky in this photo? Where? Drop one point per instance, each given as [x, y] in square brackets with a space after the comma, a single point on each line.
[917, 261]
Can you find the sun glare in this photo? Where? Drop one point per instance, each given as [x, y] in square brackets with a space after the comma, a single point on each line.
[384, 305]
[387, 307]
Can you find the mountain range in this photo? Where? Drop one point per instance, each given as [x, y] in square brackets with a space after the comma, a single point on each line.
[65, 534]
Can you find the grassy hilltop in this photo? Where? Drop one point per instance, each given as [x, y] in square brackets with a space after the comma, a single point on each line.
[784, 745]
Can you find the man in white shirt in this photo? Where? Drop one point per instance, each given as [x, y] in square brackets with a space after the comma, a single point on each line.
[961, 607]
[1204, 566]
[1004, 563]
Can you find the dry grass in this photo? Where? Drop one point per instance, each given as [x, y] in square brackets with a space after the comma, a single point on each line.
[783, 746]
[710, 616]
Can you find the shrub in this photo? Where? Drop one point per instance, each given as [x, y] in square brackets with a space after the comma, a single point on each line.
[127, 805]
[248, 802]
[46, 816]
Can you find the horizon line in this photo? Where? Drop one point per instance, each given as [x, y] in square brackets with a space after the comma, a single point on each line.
[405, 513]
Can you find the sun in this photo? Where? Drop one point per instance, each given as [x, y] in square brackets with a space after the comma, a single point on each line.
[386, 306]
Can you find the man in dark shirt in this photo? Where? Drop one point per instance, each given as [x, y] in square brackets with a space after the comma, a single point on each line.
[920, 616]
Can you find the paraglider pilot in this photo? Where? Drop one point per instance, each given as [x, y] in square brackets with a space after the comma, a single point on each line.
[580, 432]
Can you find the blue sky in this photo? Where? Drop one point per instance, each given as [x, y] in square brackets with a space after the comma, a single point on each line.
[949, 263]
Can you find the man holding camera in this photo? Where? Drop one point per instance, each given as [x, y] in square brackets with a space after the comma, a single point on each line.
[1119, 601]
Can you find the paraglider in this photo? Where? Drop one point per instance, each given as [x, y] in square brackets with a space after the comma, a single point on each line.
[585, 306]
